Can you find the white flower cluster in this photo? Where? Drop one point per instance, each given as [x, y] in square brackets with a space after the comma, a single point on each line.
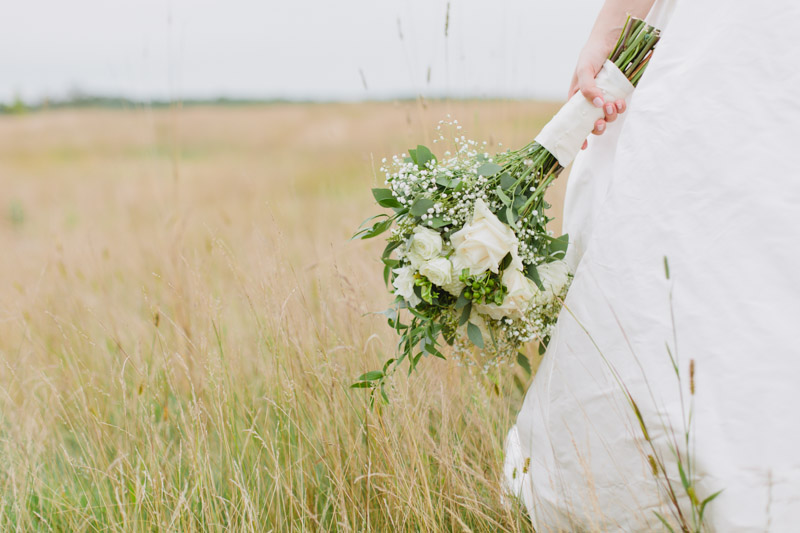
[478, 247]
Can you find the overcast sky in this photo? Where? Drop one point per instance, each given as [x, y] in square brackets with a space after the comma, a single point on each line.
[318, 49]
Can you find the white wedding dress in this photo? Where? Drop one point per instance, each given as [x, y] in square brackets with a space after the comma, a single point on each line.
[704, 170]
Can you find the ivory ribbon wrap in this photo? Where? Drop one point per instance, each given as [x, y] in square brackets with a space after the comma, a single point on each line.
[563, 136]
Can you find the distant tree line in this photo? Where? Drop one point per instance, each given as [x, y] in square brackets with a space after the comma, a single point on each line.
[18, 106]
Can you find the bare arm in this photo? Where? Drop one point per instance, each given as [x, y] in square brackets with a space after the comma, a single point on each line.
[601, 41]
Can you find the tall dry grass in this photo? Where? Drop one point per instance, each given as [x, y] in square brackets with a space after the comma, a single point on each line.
[181, 315]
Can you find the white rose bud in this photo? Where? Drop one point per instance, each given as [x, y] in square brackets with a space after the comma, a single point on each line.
[425, 244]
[555, 278]
[437, 270]
[404, 285]
[483, 243]
[456, 285]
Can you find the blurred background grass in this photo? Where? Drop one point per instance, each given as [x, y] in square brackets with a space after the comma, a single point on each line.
[182, 313]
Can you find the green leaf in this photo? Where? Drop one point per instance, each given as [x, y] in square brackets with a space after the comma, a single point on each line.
[370, 376]
[390, 248]
[524, 363]
[519, 384]
[666, 266]
[558, 247]
[376, 230]
[438, 222]
[462, 300]
[684, 479]
[449, 183]
[361, 385]
[433, 351]
[370, 219]
[387, 270]
[543, 345]
[474, 334]
[413, 155]
[511, 217]
[706, 502]
[503, 197]
[506, 181]
[385, 198]
[506, 261]
[423, 155]
[520, 200]
[533, 274]
[465, 314]
[501, 215]
[664, 521]
[489, 169]
[421, 206]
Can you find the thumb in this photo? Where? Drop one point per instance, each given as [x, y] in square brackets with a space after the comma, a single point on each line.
[588, 87]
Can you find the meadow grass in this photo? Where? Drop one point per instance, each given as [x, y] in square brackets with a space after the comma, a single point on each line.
[181, 316]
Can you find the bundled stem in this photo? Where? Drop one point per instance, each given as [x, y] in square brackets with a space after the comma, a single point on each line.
[533, 167]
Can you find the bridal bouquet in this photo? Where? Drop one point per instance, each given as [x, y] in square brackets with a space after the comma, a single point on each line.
[469, 256]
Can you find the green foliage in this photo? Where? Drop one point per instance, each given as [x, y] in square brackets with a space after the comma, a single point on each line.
[475, 335]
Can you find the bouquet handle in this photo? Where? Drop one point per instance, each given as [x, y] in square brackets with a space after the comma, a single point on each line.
[563, 136]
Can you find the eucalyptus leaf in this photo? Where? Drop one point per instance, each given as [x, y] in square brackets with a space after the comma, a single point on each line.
[465, 314]
[462, 300]
[377, 229]
[543, 345]
[533, 274]
[519, 384]
[522, 360]
[423, 155]
[558, 247]
[511, 217]
[438, 222]
[421, 206]
[501, 215]
[506, 181]
[448, 183]
[474, 334]
[503, 197]
[385, 198]
[489, 169]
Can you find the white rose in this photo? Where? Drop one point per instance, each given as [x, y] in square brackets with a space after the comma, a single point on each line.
[437, 270]
[483, 243]
[555, 278]
[404, 285]
[425, 244]
[519, 299]
[456, 285]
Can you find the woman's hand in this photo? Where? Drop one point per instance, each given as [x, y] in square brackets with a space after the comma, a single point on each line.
[590, 62]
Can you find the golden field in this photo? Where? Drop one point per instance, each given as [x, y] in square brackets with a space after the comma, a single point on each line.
[182, 314]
